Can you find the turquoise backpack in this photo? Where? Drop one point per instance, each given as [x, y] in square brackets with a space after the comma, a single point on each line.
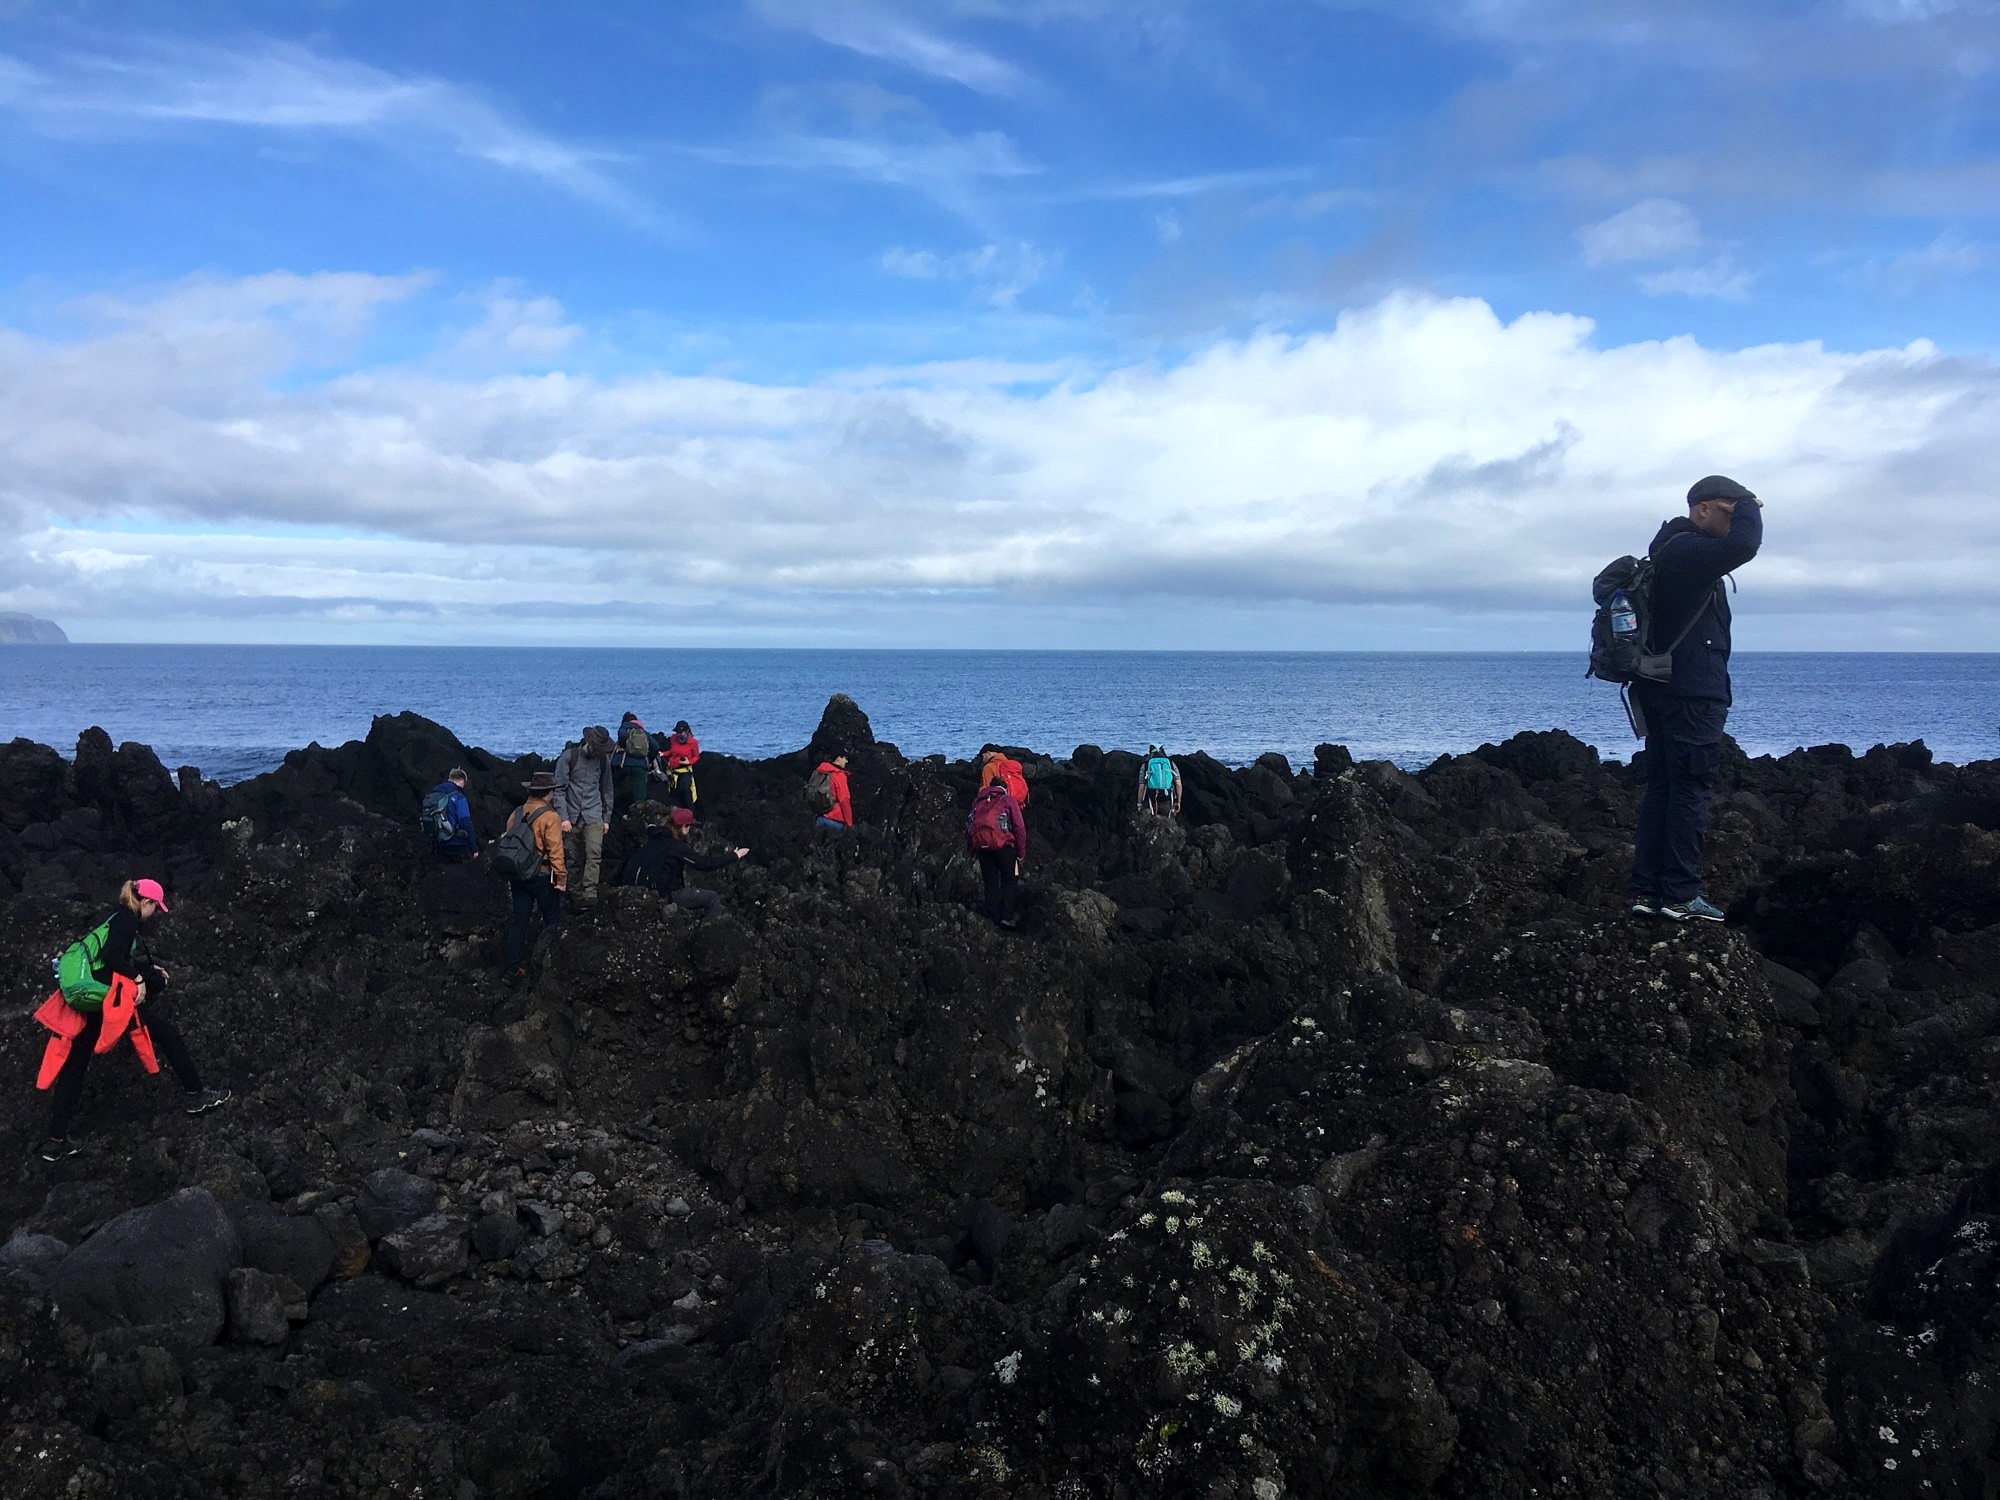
[1159, 774]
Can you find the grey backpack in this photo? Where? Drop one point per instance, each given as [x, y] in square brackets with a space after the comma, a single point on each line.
[516, 855]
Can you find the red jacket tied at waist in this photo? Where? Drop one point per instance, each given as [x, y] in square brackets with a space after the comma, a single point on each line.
[120, 1017]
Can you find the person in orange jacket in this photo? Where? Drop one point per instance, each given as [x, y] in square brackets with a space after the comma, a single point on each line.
[841, 813]
[546, 886]
[114, 959]
[996, 765]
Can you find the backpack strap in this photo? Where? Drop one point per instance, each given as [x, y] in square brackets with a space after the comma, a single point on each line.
[1703, 608]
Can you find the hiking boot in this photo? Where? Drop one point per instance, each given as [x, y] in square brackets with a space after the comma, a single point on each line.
[1645, 906]
[201, 1101]
[1698, 910]
[56, 1147]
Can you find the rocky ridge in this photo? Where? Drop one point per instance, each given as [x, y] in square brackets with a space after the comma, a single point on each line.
[1342, 1138]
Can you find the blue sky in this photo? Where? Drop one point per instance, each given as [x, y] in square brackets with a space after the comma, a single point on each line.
[1110, 322]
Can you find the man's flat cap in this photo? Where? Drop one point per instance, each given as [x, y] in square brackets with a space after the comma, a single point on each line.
[1717, 487]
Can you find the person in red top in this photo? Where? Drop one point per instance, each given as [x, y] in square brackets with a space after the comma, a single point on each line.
[841, 814]
[682, 751]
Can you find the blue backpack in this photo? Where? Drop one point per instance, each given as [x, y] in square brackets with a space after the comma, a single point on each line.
[434, 817]
[1159, 774]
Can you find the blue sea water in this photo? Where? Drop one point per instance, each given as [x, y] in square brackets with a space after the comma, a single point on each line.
[235, 710]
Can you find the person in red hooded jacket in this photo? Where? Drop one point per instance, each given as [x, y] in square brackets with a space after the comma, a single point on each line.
[841, 814]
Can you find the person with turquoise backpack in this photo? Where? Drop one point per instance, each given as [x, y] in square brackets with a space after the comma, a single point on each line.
[108, 986]
[1159, 783]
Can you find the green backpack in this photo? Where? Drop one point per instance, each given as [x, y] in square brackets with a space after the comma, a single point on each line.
[76, 969]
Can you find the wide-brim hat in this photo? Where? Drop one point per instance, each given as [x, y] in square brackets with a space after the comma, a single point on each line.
[541, 781]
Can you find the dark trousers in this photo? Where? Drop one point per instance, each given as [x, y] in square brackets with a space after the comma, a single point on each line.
[167, 1041]
[630, 783]
[1683, 749]
[680, 788]
[452, 854]
[996, 869]
[528, 894]
[694, 899]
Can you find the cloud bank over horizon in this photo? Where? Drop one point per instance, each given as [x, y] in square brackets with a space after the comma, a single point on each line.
[177, 467]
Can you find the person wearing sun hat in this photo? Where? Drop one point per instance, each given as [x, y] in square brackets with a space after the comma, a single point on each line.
[543, 889]
[111, 953]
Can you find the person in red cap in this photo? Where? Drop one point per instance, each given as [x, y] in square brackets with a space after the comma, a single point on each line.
[114, 949]
[662, 862]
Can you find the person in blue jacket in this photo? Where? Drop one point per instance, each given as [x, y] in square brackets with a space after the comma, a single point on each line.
[1683, 716]
[452, 838]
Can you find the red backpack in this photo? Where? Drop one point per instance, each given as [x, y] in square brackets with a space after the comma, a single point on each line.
[1008, 771]
[987, 827]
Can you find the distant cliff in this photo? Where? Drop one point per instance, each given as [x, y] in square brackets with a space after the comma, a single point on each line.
[17, 629]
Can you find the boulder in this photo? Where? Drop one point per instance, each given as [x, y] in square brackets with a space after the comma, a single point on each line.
[256, 1307]
[165, 1266]
[391, 1199]
[429, 1252]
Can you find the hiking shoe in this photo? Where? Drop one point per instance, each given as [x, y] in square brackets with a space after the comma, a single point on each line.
[201, 1101]
[1698, 910]
[56, 1147]
[1645, 906]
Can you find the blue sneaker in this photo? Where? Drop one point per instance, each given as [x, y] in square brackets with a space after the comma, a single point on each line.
[1699, 910]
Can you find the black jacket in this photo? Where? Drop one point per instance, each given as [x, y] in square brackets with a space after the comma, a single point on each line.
[662, 862]
[1688, 568]
[122, 952]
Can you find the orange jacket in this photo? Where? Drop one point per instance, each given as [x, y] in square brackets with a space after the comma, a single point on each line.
[548, 835]
[1006, 769]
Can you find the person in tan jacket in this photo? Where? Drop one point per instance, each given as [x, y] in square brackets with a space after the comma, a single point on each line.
[543, 889]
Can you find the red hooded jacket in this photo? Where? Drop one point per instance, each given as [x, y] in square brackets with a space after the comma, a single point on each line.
[836, 782]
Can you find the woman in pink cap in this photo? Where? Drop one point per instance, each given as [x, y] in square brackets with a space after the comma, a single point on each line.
[114, 947]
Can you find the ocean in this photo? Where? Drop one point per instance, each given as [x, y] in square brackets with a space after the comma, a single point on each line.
[234, 711]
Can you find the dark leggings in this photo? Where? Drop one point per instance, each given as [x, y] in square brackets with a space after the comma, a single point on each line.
[166, 1039]
[997, 869]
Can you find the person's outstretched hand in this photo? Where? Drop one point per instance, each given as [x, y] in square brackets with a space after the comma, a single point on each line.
[742, 853]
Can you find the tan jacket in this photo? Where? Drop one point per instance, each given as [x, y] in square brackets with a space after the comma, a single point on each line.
[548, 836]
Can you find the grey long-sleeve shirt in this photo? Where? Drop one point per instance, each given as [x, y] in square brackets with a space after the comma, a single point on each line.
[583, 787]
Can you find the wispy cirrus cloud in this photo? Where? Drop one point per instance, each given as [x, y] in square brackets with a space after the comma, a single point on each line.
[281, 88]
[1000, 272]
[878, 31]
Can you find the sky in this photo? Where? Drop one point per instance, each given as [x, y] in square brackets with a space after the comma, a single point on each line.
[1234, 324]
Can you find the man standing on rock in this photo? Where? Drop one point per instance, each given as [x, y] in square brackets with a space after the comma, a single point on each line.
[583, 801]
[1684, 715]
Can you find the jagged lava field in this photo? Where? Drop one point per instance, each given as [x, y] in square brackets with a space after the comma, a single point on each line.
[1345, 1137]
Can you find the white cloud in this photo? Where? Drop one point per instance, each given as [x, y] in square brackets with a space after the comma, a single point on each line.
[876, 31]
[519, 329]
[1001, 272]
[1720, 279]
[1421, 455]
[1654, 229]
[1167, 226]
[280, 88]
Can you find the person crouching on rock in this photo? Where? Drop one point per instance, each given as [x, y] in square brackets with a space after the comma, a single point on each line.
[111, 962]
[661, 863]
[544, 887]
[1159, 783]
[997, 833]
[827, 794]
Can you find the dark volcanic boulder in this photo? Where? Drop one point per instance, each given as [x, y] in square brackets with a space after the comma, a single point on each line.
[393, 1198]
[165, 1267]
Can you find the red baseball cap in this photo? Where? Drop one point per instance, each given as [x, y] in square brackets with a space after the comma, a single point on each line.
[149, 890]
[681, 817]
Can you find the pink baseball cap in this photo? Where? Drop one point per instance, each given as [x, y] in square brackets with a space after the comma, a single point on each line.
[149, 890]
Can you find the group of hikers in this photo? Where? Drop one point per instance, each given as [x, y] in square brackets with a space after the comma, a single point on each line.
[108, 986]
